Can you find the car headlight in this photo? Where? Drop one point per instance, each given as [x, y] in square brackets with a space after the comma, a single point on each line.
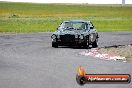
[53, 36]
[76, 36]
[81, 36]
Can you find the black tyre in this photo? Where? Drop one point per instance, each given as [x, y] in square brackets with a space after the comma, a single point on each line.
[55, 44]
[94, 44]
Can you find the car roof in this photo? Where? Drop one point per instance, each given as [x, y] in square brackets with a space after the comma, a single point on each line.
[77, 21]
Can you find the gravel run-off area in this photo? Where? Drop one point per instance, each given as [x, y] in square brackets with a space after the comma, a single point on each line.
[116, 52]
[123, 51]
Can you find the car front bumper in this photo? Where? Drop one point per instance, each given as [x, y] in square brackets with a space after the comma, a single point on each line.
[69, 40]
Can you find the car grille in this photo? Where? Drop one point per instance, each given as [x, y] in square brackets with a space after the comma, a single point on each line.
[67, 38]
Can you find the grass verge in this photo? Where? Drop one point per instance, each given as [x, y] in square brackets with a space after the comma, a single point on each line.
[29, 17]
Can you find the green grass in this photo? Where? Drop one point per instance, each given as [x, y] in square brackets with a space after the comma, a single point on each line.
[29, 17]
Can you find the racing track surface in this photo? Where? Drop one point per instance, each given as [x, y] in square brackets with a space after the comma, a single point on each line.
[29, 61]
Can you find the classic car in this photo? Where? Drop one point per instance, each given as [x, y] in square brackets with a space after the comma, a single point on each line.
[75, 32]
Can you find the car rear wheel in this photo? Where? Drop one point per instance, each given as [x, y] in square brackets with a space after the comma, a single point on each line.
[55, 44]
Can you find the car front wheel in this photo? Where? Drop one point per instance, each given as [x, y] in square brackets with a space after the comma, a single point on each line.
[55, 44]
[94, 44]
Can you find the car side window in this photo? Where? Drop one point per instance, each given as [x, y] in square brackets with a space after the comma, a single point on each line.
[87, 26]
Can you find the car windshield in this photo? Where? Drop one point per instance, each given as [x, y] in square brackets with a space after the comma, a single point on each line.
[73, 25]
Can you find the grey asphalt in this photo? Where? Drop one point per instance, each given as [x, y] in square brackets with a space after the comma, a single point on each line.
[29, 61]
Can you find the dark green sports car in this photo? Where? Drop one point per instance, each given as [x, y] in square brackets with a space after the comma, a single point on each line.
[75, 32]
